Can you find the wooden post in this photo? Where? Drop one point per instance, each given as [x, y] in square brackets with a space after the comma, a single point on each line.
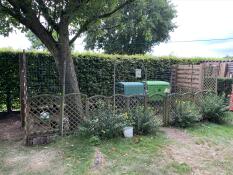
[87, 108]
[174, 78]
[127, 104]
[114, 88]
[192, 80]
[63, 99]
[202, 77]
[166, 110]
[23, 88]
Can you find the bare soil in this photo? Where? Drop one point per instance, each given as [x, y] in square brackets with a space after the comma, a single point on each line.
[19, 159]
[10, 128]
[199, 155]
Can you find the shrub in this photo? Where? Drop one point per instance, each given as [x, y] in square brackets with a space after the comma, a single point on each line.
[143, 121]
[185, 114]
[94, 71]
[102, 123]
[224, 86]
[213, 108]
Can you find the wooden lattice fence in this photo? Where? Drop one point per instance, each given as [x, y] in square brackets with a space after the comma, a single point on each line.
[193, 78]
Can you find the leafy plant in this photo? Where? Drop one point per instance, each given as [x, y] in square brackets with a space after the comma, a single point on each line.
[143, 120]
[224, 86]
[185, 114]
[102, 123]
[213, 108]
[127, 119]
[94, 140]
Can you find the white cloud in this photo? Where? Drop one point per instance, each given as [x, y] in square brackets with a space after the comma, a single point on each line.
[199, 19]
[15, 40]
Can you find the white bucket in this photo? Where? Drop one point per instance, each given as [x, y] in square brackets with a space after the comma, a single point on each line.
[128, 132]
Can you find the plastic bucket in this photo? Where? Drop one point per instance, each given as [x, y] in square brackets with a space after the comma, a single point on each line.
[128, 132]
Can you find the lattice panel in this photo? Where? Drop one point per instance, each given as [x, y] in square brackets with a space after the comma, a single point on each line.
[122, 103]
[45, 111]
[172, 101]
[211, 74]
[93, 102]
[156, 103]
[74, 112]
[43, 114]
[135, 101]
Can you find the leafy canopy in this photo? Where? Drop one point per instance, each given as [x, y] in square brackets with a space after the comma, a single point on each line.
[135, 29]
[45, 17]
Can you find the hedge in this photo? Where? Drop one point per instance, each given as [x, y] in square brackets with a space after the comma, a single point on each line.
[224, 85]
[94, 72]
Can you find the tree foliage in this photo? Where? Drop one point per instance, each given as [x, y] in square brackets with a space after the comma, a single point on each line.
[35, 42]
[67, 19]
[49, 16]
[135, 29]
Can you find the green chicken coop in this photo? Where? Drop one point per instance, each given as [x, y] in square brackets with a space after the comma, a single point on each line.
[156, 90]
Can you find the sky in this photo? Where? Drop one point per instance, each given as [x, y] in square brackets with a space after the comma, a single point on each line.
[196, 20]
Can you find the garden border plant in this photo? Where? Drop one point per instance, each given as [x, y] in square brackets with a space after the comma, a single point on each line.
[185, 114]
[213, 108]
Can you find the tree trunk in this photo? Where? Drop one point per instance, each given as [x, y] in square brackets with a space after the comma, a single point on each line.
[63, 57]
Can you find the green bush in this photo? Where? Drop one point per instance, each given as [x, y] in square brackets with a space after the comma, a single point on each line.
[224, 86]
[94, 72]
[213, 108]
[102, 123]
[143, 121]
[185, 114]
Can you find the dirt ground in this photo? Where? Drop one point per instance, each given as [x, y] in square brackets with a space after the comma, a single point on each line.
[10, 127]
[17, 159]
[204, 158]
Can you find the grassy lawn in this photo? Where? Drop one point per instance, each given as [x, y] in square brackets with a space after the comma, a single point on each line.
[75, 155]
[218, 139]
[216, 133]
[120, 156]
[154, 154]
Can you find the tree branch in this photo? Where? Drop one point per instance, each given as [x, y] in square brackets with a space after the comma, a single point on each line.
[29, 19]
[84, 27]
[106, 15]
[42, 7]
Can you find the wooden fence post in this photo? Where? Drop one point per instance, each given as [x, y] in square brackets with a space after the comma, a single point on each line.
[62, 105]
[127, 104]
[23, 88]
[166, 109]
[202, 77]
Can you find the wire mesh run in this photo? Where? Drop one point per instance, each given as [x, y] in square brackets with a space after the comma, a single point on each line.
[45, 116]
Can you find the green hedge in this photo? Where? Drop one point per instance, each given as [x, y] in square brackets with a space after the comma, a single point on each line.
[224, 85]
[94, 72]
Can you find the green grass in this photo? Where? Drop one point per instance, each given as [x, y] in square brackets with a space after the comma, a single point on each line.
[178, 168]
[132, 156]
[217, 133]
[219, 138]
[122, 156]
[77, 154]
[213, 131]
[136, 156]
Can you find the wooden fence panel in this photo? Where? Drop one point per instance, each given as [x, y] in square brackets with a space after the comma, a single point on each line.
[187, 77]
